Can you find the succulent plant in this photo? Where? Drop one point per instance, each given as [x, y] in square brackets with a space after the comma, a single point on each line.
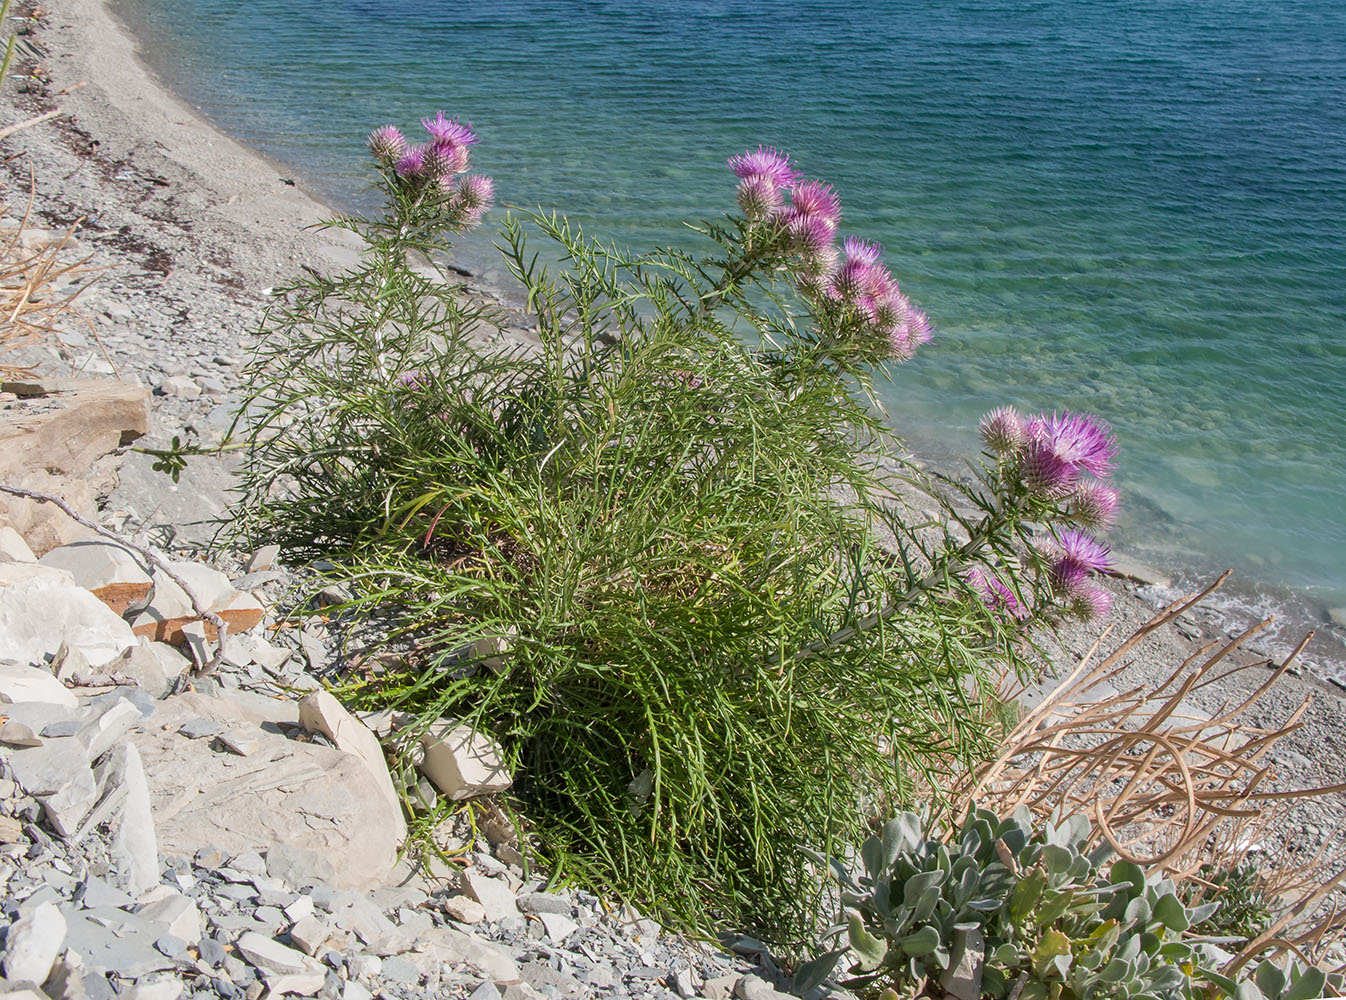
[1005, 910]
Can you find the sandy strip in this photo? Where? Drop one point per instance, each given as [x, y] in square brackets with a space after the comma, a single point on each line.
[195, 227]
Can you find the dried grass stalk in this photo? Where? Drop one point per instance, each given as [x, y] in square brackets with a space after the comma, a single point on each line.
[1166, 787]
[30, 306]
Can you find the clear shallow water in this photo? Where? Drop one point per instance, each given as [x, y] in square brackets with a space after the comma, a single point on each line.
[1135, 209]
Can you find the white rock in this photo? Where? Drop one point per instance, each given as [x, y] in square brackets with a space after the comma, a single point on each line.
[113, 574]
[107, 727]
[464, 909]
[13, 548]
[446, 944]
[208, 584]
[19, 684]
[38, 616]
[461, 762]
[263, 559]
[756, 988]
[314, 811]
[34, 941]
[273, 957]
[180, 386]
[558, 927]
[178, 913]
[310, 933]
[299, 909]
[494, 896]
[57, 774]
[154, 666]
[135, 847]
[320, 712]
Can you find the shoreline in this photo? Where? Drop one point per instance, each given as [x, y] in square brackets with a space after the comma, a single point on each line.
[195, 227]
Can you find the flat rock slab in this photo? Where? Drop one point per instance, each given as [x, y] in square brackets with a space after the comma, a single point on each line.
[114, 574]
[318, 808]
[53, 443]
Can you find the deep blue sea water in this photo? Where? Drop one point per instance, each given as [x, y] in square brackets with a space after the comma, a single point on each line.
[1136, 208]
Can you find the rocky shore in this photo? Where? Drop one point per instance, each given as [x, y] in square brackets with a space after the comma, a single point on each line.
[164, 834]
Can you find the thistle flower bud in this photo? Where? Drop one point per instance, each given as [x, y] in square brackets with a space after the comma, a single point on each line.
[476, 194]
[387, 144]
[1094, 504]
[995, 593]
[758, 197]
[1045, 473]
[1003, 430]
[1089, 603]
[445, 159]
[1075, 556]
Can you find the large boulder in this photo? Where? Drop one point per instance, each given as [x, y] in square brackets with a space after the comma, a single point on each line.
[312, 810]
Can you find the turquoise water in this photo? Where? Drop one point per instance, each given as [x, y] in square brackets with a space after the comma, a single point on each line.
[1138, 209]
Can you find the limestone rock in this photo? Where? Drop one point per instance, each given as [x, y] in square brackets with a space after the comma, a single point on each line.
[464, 909]
[154, 666]
[110, 722]
[13, 548]
[320, 712]
[461, 762]
[494, 896]
[176, 912]
[72, 424]
[315, 812]
[37, 617]
[29, 684]
[446, 944]
[34, 941]
[115, 575]
[274, 958]
[57, 774]
[135, 845]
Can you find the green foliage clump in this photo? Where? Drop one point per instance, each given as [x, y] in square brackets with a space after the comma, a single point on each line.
[644, 555]
[1244, 911]
[1006, 909]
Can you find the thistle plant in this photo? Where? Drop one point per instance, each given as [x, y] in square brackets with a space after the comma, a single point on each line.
[672, 507]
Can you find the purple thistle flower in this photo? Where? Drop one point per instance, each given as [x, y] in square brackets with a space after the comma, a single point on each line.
[449, 130]
[819, 264]
[995, 593]
[412, 163]
[445, 159]
[817, 200]
[1095, 504]
[852, 279]
[1080, 439]
[759, 197]
[1084, 549]
[387, 143]
[411, 379]
[1075, 556]
[860, 251]
[767, 163]
[919, 327]
[1044, 472]
[1003, 430]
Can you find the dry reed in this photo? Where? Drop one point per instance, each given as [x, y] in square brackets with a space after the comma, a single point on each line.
[1165, 785]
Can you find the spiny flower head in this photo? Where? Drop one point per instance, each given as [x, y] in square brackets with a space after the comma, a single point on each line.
[449, 130]
[387, 143]
[1003, 430]
[1094, 504]
[1075, 556]
[759, 197]
[1077, 438]
[1089, 602]
[445, 159]
[765, 163]
[411, 163]
[809, 234]
[816, 200]
[860, 251]
[1046, 473]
